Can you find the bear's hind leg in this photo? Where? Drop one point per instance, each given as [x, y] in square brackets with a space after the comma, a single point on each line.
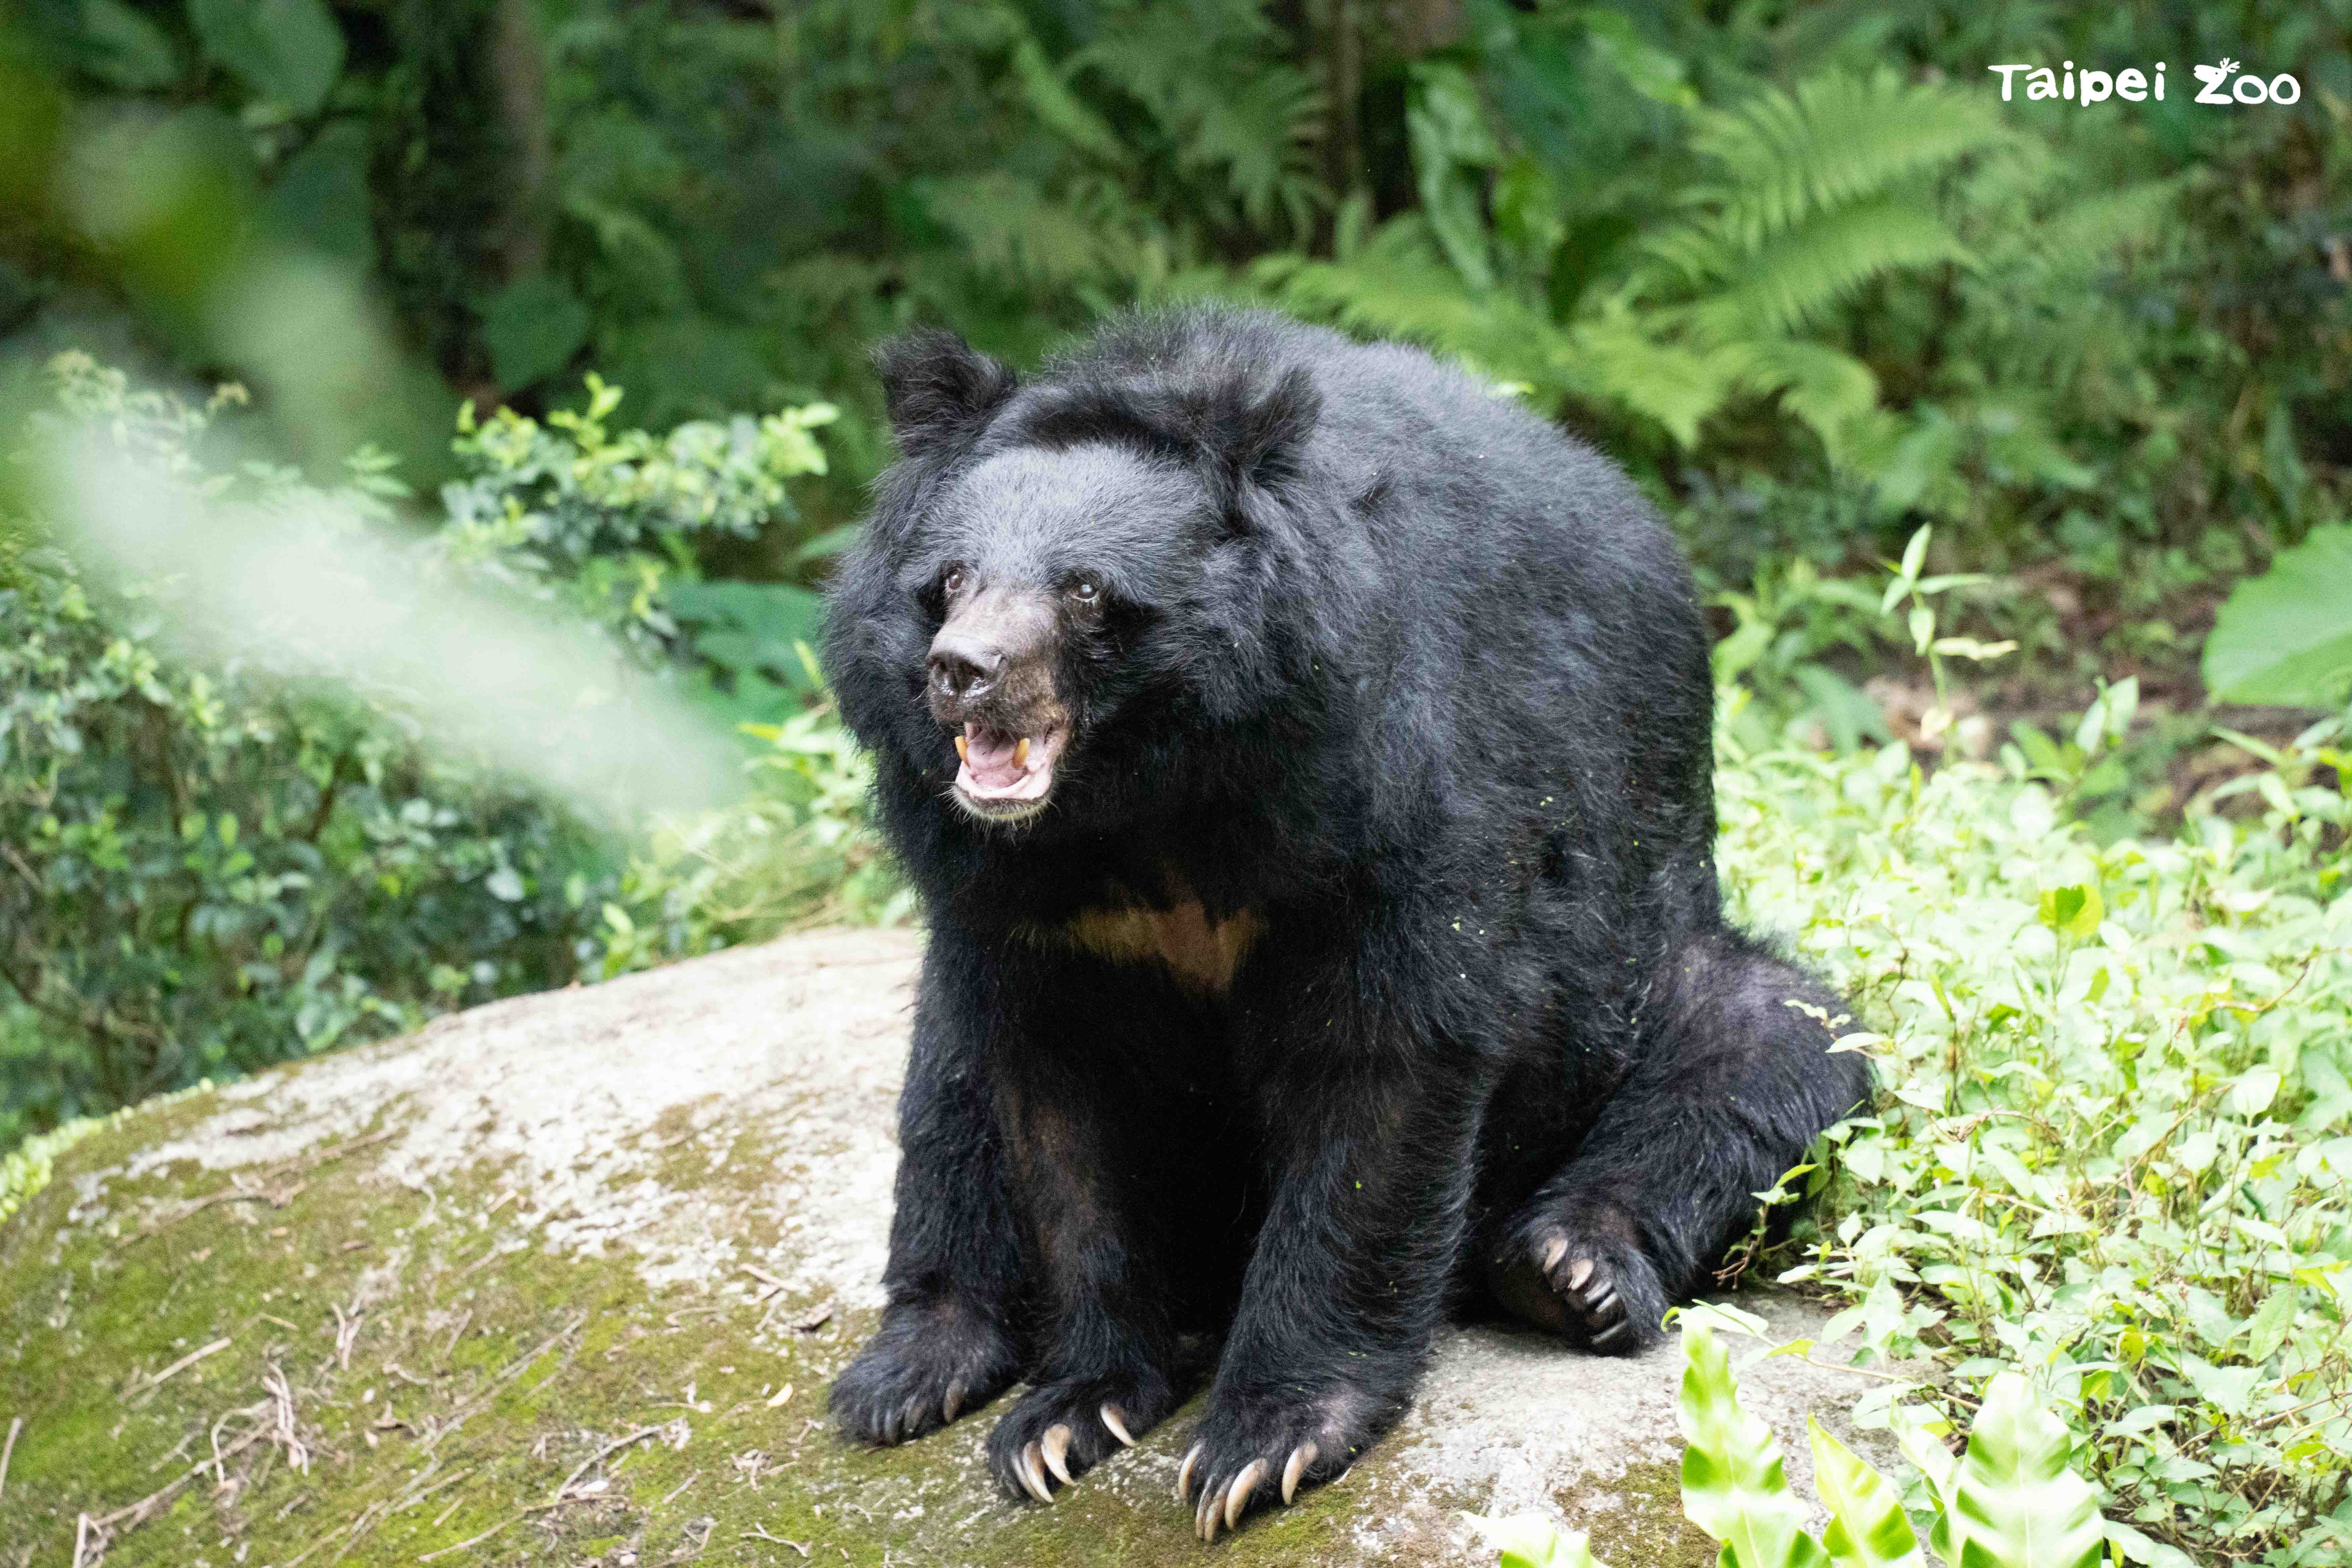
[1730, 1085]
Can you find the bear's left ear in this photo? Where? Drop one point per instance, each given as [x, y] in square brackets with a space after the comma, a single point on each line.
[1257, 438]
[938, 388]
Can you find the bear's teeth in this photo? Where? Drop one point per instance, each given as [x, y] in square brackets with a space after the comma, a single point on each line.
[963, 752]
[1021, 753]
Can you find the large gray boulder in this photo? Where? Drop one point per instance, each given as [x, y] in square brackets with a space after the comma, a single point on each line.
[562, 1279]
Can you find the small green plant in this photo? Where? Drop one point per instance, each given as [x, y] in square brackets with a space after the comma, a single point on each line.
[2011, 1499]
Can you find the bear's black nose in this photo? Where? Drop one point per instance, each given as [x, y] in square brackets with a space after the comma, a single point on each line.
[963, 665]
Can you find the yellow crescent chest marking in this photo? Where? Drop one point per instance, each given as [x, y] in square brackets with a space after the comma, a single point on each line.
[1202, 952]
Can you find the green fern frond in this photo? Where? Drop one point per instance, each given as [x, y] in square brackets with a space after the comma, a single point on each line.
[1808, 270]
[1228, 105]
[1010, 226]
[2083, 234]
[1399, 285]
[1611, 361]
[1781, 157]
[1832, 392]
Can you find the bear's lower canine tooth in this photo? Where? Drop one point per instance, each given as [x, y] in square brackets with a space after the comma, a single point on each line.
[1021, 753]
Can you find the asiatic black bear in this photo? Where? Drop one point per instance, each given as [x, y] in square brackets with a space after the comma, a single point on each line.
[1304, 756]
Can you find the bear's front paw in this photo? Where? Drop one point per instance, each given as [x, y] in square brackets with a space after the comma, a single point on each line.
[1058, 1431]
[925, 1366]
[1586, 1283]
[1253, 1448]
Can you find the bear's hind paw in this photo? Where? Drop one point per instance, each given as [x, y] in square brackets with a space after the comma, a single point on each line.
[1603, 1294]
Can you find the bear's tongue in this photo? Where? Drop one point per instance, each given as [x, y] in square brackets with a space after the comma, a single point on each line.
[1001, 765]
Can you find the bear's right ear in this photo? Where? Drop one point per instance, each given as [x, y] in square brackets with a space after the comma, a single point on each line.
[939, 390]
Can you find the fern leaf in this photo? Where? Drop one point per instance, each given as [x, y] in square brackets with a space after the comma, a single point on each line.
[1837, 139]
[1399, 285]
[1810, 269]
[1832, 391]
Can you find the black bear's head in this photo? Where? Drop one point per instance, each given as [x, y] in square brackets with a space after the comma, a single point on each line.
[1065, 593]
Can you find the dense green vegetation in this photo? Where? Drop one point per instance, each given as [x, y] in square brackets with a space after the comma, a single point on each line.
[2012, 441]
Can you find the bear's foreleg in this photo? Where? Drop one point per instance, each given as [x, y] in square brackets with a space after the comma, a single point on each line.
[949, 1336]
[1108, 1343]
[1369, 1133]
[1730, 1084]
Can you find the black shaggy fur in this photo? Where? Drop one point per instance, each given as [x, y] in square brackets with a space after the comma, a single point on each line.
[1398, 699]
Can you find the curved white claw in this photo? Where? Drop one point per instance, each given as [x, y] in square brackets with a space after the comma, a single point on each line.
[1579, 1273]
[1300, 1458]
[1184, 1476]
[1033, 1473]
[1055, 1449]
[1553, 1251]
[1237, 1497]
[1115, 1419]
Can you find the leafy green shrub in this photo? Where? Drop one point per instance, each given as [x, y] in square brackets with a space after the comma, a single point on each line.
[608, 516]
[2110, 1154]
[207, 865]
[2011, 1500]
[797, 851]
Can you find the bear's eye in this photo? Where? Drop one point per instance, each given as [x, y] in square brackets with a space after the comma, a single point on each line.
[953, 581]
[1085, 592]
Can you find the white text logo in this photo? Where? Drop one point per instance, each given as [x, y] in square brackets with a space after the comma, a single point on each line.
[2134, 86]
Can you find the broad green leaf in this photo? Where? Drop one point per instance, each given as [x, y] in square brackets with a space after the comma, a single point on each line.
[532, 327]
[1649, 70]
[288, 51]
[829, 543]
[2015, 1502]
[319, 199]
[1734, 1486]
[2253, 1091]
[123, 49]
[2286, 635]
[2075, 911]
[2268, 1329]
[1531, 1540]
[1847, 712]
[1915, 554]
[1868, 1527]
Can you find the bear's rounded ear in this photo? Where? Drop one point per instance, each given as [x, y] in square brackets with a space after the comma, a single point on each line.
[1260, 438]
[941, 391]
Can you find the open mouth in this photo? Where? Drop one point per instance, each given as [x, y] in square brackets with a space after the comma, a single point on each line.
[1005, 776]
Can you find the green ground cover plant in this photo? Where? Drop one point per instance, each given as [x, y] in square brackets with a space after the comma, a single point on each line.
[2109, 1155]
